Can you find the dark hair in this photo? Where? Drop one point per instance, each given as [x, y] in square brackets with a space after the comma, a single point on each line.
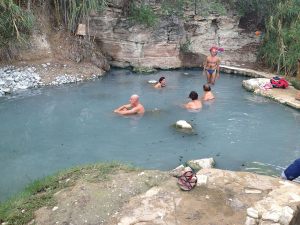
[206, 87]
[161, 79]
[193, 95]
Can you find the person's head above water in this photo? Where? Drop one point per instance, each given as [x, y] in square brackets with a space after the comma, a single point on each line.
[206, 87]
[162, 81]
[134, 99]
[193, 95]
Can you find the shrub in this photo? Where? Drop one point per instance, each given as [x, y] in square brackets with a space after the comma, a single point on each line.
[143, 14]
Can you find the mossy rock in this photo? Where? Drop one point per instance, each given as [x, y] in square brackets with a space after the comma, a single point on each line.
[144, 70]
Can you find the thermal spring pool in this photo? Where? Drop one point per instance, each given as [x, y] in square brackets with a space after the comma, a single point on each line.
[52, 128]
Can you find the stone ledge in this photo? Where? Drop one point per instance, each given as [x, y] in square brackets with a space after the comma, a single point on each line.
[283, 96]
[246, 72]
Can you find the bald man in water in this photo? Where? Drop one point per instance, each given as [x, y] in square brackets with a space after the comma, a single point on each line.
[134, 107]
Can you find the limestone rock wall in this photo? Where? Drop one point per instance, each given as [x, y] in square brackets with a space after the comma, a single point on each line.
[173, 42]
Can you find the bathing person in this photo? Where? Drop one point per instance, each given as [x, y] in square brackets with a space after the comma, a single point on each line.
[161, 83]
[208, 95]
[292, 171]
[195, 103]
[212, 66]
[134, 107]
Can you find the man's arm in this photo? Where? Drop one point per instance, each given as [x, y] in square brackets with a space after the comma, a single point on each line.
[121, 108]
[128, 112]
[187, 105]
[218, 67]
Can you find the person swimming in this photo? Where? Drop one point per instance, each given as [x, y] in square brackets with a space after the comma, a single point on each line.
[195, 103]
[161, 83]
[212, 66]
[134, 107]
[208, 95]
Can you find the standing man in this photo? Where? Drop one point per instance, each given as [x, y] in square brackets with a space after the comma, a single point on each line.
[212, 66]
[134, 107]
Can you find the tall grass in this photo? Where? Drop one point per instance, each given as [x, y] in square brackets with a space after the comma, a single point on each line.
[281, 45]
[20, 209]
[72, 12]
[15, 23]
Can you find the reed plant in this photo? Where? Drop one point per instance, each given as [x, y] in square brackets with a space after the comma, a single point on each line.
[72, 12]
[15, 23]
[281, 44]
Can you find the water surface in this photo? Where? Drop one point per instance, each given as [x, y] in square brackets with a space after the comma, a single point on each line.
[52, 128]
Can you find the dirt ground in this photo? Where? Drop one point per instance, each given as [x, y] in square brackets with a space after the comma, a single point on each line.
[144, 198]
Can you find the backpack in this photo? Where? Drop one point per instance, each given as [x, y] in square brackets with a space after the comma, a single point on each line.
[278, 82]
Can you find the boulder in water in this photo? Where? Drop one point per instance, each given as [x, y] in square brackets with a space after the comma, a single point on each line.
[199, 164]
[183, 124]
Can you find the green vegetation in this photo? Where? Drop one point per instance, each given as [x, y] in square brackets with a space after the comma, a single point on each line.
[281, 44]
[144, 70]
[186, 47]
[173, 7]
[15, 23]
[72, 12]
[142, 14]
[296, 83]
[20, 209]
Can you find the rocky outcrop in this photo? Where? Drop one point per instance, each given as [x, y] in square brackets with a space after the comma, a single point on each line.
[283, 96]
[173, 42]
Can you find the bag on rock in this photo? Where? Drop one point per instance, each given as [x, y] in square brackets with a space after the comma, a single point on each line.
[278, 82]
[187, 181]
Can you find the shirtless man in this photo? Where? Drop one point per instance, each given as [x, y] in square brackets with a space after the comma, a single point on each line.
[195, 103]
[161, 83]
[208, 95]
[212, 66]
[134, 107]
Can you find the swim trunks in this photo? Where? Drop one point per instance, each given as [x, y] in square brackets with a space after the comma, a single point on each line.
[211, 71]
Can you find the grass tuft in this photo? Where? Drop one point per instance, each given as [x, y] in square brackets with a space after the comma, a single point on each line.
[20, 208]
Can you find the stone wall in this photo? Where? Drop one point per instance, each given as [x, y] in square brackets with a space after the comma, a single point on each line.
[127, 44]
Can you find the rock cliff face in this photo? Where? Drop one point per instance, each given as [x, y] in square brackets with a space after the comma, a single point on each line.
[173, 42]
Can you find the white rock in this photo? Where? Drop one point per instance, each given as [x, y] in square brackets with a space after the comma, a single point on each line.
[201, 180]
[268, 223]
[6, 90]
[183, 124]
[252, 191]
[152, 81]
[177, 171]
[206, 163]
[287, 214]
[250, 221]
[255, 83]
[272, 216]
[251, 212]
[55, 208]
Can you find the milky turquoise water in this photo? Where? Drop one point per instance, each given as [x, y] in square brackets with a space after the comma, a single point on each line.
[48, 129]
